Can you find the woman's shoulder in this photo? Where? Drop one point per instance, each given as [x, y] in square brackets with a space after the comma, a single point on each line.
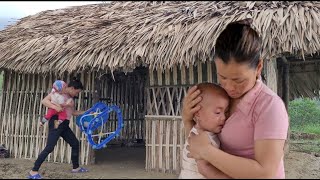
[269, 99]
[267, 93]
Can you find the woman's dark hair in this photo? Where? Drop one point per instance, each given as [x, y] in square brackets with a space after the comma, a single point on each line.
[240, 42]
[75, 83]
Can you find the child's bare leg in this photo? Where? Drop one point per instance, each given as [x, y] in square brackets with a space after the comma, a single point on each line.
[57, 123]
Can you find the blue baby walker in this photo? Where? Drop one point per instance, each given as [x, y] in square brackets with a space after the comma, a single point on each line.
[96, 117]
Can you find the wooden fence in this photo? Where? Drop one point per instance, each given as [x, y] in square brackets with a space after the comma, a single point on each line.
[164, 128]
[164, 143]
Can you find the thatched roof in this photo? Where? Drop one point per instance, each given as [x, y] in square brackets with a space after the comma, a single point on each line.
[124, 35]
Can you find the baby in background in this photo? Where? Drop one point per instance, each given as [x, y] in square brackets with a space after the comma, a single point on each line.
[210, 118]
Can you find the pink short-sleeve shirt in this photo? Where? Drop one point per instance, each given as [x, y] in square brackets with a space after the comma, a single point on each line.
[261, 114]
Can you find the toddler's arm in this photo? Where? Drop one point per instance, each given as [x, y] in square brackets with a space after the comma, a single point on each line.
[69, 103]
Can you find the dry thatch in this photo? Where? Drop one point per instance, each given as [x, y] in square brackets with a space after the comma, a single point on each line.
[124, 35]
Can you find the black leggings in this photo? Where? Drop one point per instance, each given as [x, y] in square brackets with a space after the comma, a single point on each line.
[66, 133]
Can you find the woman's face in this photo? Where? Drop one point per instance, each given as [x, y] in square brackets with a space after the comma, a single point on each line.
[237, 79]
[73, 92]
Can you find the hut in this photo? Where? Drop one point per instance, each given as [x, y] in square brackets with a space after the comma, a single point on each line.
[142, 56]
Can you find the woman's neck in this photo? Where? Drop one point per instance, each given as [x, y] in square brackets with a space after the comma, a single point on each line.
[66, 92]
[235, 101]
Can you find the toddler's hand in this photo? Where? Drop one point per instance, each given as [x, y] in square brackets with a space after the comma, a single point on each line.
[69, 102]
[58, 108]
[40, 124]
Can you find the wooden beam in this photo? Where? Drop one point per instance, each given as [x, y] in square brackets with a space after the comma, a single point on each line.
[285, 89]
[310, 61]
[96, 98]
[285, 93]
[269, 75]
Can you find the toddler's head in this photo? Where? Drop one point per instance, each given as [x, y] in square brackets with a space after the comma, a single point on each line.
[58, 86]
[214, 104]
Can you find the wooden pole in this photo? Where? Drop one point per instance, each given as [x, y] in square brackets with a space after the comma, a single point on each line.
[96, 97]
[285, 96]
[285, 89]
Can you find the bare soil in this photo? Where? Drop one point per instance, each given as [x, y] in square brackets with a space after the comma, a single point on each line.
[129, 163]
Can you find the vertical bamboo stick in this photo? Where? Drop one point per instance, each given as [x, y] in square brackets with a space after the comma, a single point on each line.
[32, 133]
[26, 104]
[199, 68]
[175, 75]
[182, 139]
[209, 71]
[191, 75]
[11, 111]
[174, 148]
[22, 115]
[160, 136]
[148, 124]
[214, 73]
[6, 88]
[88, 148]
[168, 134]
[168, 106]
[28, 109]
[183, 76]
[153, 145]
[16, 115]
[147, 155]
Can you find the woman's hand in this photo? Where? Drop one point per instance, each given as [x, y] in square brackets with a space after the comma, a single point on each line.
[190, 104]
[198, 144]
[78, 113]
[189, 108]
[58, 108]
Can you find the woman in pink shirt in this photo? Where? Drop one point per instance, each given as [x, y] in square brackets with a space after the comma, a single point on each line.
[63, 130]
[253, 137]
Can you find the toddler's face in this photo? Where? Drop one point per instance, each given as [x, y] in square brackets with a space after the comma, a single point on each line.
[212, 115]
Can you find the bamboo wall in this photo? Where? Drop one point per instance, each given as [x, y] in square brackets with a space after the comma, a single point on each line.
[164, 127]
[21, 111]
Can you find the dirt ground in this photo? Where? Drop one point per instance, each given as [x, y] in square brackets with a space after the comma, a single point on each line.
[128, 163]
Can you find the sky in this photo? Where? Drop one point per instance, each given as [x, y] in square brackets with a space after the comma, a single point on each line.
[18, 9]
[10, 11]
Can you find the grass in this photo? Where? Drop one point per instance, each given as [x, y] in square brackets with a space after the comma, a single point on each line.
[304, 116]
[311, 128]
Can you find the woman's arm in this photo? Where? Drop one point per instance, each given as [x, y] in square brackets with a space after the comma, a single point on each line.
[209, 171]
[189, 107]
[268, 154]
[47, 102]
[78, 113]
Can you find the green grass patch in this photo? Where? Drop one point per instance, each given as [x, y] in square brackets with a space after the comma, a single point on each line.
[305, 115]
[311, 128]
